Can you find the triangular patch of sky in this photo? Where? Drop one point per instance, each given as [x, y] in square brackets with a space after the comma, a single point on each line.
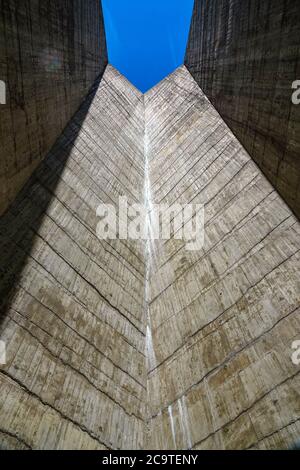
[147, 39]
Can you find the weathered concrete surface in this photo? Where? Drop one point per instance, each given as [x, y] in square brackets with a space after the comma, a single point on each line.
[51, 52]
[224, 318]
[245, 57]
[73, 319]
[121, 344]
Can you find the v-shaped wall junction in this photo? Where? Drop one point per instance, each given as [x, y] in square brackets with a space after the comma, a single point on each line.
[204, 359]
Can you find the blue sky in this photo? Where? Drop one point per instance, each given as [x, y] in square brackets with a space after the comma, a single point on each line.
[147, 38]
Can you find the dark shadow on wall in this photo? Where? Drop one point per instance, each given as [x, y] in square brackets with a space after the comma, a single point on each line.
[245, 57]
[21, 222]
[51, 52]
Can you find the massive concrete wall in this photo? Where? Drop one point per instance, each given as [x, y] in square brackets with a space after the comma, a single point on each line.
[244, 54]
[73, 316]
[223, 318]
[127, 344]
[50, 55]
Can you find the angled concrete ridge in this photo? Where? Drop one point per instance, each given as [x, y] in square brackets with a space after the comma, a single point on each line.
[113, 76]
[167, 77]
[112, 346]
[116, 74]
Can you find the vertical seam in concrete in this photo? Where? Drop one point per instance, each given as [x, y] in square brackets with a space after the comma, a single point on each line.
[149, 349]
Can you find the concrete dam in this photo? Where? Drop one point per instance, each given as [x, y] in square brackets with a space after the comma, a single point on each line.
[137, 344]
